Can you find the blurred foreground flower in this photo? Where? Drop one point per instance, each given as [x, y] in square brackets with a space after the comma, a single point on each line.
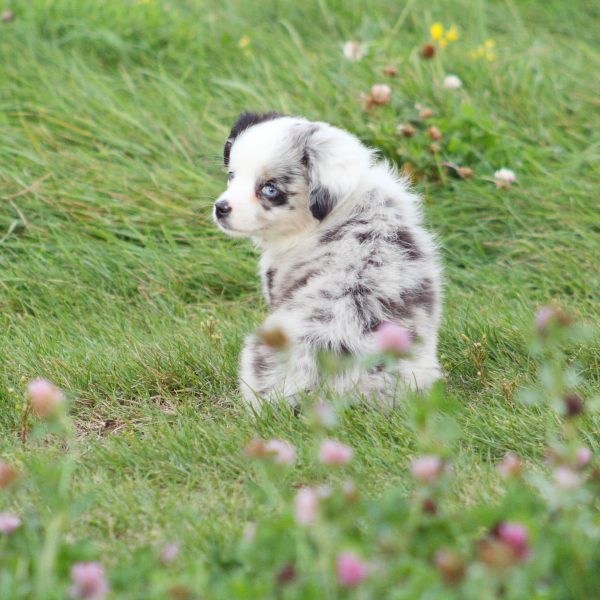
[516, 537]
[452, 82]
[89, 581]
[508, 545]
[392, 338]
[566, 478]
[282, 452]
[427, 469]
[306, 506]
[169, 553]
[274, 337]
[573, 405]
[45, 397]
[583, 457]
[325, 415]
[8, 523]
[451, 566]
[7, 474]
[354, 51]
[550, 314]
[333, 452]
[504, 177]
[7, 16]
[279, 451]
[510, 466]
[351, 570]
[286, 574]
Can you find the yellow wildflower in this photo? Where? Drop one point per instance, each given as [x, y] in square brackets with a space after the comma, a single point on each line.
[486, 50]
[443, 42]
[452, 34]
[437, 31]
[244, 42]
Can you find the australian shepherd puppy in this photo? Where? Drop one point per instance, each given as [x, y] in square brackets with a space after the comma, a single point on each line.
[343, 250]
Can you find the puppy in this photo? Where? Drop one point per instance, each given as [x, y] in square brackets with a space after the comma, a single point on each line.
[343, 250]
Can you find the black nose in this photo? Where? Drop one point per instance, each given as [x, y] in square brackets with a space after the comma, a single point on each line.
[222, 208]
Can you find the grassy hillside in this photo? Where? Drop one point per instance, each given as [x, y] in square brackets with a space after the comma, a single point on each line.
[115, 285]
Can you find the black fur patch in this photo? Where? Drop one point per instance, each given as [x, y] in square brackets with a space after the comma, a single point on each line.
[260, 361]
[363, 236]
[338, 231]
[321, 315]
[321, 202]
[245, 121]
[270, 279]
[406, 241]
[289, 292]
[360, 295]
[422, 296]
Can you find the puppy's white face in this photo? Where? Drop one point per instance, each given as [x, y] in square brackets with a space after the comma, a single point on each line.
[285, 174]
[267, 183]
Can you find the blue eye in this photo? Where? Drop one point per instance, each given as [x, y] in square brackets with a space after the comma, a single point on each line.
[269, 191]
[230, 176]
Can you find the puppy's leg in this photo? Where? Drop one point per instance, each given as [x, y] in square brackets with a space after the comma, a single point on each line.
[267, 374]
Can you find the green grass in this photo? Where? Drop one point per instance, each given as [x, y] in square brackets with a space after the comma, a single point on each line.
[115, 285]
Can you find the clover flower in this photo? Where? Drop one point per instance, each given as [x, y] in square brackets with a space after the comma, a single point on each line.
[279, 451]
[306, 506]
[516, 537]
[8, 523]
[351, 570]
[45, 397]
[434, 133]
[354, 51]
[452, 82]
[169, 553]
[450, 565]
[89, 581]
[510, 466]
[333, 452]
[282, 452]
[7, 474]
[583, 457]
[427, 469]
[566, 478]
[324, 415]
[406, 130]
[504, 177]
[392, 338]
[380, 93]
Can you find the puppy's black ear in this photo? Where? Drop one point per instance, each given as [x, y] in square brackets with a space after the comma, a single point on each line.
[245, 121]
[335, 161]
